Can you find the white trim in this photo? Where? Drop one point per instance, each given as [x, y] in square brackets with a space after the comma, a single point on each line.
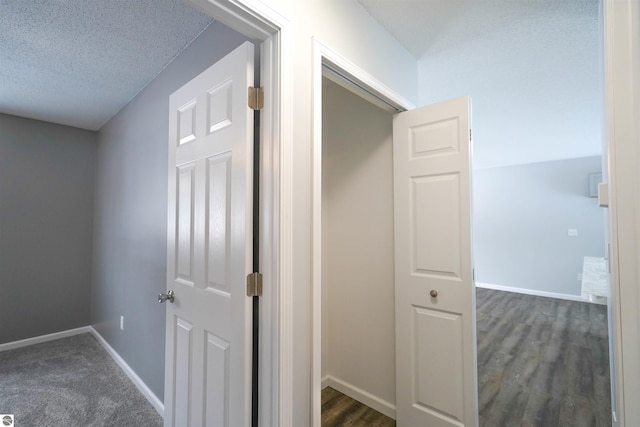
[316, 236]
[135, 379]
[535, 292]
[368, 87]
[248, 17]
[374, 402]
[268, 318]
[622, 85]
[323, 54]
[282, 237]
[325, 382]
[44, 338]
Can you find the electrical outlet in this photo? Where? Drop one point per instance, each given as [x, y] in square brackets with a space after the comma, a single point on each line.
[580, 276]
[122, 323]
[572, 232]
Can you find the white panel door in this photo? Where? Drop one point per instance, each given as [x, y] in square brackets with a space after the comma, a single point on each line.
[208, 351]
[436, 380]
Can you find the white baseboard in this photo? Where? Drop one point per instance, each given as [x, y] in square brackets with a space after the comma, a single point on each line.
[45, 338]
[146, 391]
[325, 382]
[531, 292]
[361, 396]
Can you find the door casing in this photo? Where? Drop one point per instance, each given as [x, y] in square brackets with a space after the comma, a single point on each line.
[324, 56]
[259, 22]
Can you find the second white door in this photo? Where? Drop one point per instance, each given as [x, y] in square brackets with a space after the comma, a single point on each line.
[436, 380]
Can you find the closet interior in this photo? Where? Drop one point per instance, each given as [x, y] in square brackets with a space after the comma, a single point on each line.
[358, 320]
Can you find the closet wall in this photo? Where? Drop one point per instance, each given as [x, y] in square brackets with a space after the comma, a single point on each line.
[358, 320]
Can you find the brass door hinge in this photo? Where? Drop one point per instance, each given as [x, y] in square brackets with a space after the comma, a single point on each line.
[256, 98]
[254, 285]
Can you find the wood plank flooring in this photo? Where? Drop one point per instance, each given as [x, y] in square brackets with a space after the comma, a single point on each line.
[542, 362]
[341, 410]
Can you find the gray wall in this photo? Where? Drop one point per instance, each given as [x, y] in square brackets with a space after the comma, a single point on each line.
[521, 218]
[46, 217]
[130, 212]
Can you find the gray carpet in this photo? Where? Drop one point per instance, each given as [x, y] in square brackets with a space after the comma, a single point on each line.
[70, 382]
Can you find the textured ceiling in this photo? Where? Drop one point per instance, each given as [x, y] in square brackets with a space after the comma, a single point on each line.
[78, 62]
[532, 75]
[428, 26]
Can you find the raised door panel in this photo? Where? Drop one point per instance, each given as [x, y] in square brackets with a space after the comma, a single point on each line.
[187, 122]
[435, 138]
[438, 364]
[220, 107]
[182, 368]
[435, 218]
[217, 381]
[217, 223]
[185, 226]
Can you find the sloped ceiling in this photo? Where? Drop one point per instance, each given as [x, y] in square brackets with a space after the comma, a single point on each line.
[428, 26]
[533, 69]
[78, 62]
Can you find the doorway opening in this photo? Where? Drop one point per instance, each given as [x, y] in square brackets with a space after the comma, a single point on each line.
[358, 315]
[539, 233]
[597, 323]
[357, 362]
[542, 354]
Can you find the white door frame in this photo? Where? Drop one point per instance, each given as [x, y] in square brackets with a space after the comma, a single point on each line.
[622, 109]
[323, 55]
[259, 22]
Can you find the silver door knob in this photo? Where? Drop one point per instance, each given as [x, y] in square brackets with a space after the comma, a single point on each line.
[168, 296]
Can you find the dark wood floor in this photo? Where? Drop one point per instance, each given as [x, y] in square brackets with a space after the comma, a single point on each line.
[542, 362]
[341, 410]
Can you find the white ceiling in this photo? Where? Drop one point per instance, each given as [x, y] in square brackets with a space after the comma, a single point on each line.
[428, 26]
[78, 62]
